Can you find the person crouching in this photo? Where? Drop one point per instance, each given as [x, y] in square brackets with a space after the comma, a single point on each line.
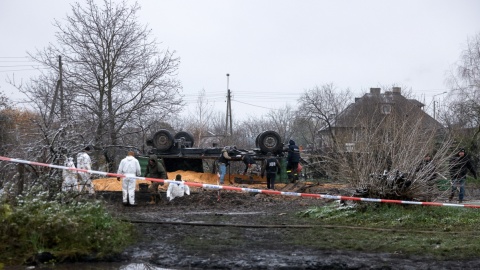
[155, 169]
[177, 188]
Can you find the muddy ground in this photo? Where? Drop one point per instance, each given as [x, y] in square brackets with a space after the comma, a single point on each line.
[243, 231]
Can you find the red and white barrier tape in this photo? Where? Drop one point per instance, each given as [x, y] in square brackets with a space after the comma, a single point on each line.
[253, 190]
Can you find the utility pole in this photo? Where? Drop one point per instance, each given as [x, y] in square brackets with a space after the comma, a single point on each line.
[60, 82]
[228, 121]
[61, 159]
[58, 88]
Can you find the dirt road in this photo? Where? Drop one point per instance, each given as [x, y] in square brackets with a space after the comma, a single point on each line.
[243, 231]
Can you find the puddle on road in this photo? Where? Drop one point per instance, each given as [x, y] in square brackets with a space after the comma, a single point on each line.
[220, 213]
[94, 266]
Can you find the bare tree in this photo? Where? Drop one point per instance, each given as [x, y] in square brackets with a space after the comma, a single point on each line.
[25, 139]
[112, 79]
[252, 127]
[306, 131]
[377, 143]
[324, 104]
[218, 128]
[468, 69]
[4, 101]
[282, 121]
[462, 110]
[199, 121]
[6, 122]
[112, 68]
[387, 154]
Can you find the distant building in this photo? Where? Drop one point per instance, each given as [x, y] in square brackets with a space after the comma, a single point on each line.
[377, 116]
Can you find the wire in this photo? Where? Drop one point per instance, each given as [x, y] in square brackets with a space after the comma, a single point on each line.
[13, 70]
[258, 106]
[21, 66]
[16, 61]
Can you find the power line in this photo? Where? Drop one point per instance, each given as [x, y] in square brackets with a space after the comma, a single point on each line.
[21, 66]
[255, 95]
[253, 105]
[269, 99]
[16, 61]
[30, 69]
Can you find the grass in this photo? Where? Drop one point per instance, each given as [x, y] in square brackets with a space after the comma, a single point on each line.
[437, 232]
[82, 228]
[66, 230]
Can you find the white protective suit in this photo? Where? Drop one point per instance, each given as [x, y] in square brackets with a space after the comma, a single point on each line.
[130, 167]
[69, 177]
[177, 189]
[84, 162]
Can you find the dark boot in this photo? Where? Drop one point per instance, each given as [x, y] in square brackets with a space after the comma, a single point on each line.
[152, 199]
[292, 179]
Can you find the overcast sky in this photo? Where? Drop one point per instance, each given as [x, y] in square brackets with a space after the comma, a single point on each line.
[275, 50]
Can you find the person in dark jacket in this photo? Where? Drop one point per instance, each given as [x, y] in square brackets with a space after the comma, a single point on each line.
[250, 165]
[223, 162]
[292, 161]
[155, 169]
[271, 166]
[460, 164]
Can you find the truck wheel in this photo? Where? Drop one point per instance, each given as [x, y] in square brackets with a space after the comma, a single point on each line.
[269, 141]
[163, 140]
[187, 138]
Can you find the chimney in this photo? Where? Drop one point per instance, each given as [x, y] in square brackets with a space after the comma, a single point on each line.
[375, 91]
[357, 99]
[397, 90]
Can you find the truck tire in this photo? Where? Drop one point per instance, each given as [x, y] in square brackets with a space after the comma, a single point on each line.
[269, 141]
[187, 138]
[163, 140]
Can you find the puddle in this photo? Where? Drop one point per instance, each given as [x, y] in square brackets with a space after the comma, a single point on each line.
[94, 266]
[227, 213]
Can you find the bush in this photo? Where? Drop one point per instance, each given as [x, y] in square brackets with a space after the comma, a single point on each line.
[67, 231]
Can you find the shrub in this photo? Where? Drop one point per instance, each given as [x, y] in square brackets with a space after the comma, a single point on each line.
[66, 230]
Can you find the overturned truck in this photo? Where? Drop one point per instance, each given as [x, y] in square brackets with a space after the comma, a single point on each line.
[178, 151]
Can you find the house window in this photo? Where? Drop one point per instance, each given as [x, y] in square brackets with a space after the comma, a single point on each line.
[386, 108]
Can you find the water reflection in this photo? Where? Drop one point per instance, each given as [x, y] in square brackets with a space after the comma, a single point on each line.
[141, 266]
[93, 266]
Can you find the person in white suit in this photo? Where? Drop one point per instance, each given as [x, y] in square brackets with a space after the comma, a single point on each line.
[130, 167]
[177, 189]
[69, 177]
[84, 162]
